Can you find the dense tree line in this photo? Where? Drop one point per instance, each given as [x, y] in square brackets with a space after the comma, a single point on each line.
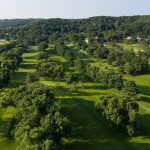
[43, 55]
[31, 77]
[129, 62]
[80, 67]
[10, 62]
[64, 51]
[40, 123]
[43, 45]
[97, 50]
[120, 111]
[15, 54]
[7, 46]
[107, 28]
[111, 79]
[50, 69]
[9, 23]
[71, 78]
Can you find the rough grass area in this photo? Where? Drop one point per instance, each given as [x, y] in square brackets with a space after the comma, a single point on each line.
[89, 130]
[6, 115]
[135, 47]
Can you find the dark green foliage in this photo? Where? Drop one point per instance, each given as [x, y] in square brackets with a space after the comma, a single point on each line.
[9, 23]
[119, 111]
[43, 46]
[114, 80]
[100, 28]
[11, 60]
[64, 51]
[50, 69]
[71, 78]
[130, 88]
[7, 47]
[110, 79]
[97, 50]
[92, 72]
[128, 61]
[79, 65]
[5, 76]
[41, 41]
[40, 123]
[43, 55]
[69, 56]
[136, 66]
[15, 54]
[30, 78]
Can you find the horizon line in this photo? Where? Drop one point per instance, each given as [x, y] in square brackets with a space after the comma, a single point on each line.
[113, 16]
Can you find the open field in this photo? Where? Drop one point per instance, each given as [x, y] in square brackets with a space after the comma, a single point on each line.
[89, 130]
[135, 47]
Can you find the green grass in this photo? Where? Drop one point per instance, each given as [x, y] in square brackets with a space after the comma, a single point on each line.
[135, 47]
[143, 83]
[89, 130]
[6, 115]
[82, 54]
[28, 66]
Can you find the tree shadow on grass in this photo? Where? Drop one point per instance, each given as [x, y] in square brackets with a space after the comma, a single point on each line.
[91, 132]
[5, 125]
[77, 53]
[96, 87]
[82, 93]
[28, 66]
[145, 90]
[33, 50]
[144, 123]
[30, 57]
[65, 64]
[144, 99]
[19, 79]
[88, 61]
[68, 91]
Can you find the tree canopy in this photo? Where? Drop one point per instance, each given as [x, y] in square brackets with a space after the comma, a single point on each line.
[40, 122]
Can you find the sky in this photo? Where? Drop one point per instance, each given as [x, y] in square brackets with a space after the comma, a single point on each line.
[72, 8]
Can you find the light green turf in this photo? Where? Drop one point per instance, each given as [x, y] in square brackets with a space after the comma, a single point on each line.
[89, 130]
[135, 47]
[82, 54]
[6, 115]
[143, 82]
[28, 66]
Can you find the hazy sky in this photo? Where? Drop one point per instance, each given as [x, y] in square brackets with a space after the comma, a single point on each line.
[72, 8]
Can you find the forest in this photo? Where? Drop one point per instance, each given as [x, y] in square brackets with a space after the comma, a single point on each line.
[75, 83]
